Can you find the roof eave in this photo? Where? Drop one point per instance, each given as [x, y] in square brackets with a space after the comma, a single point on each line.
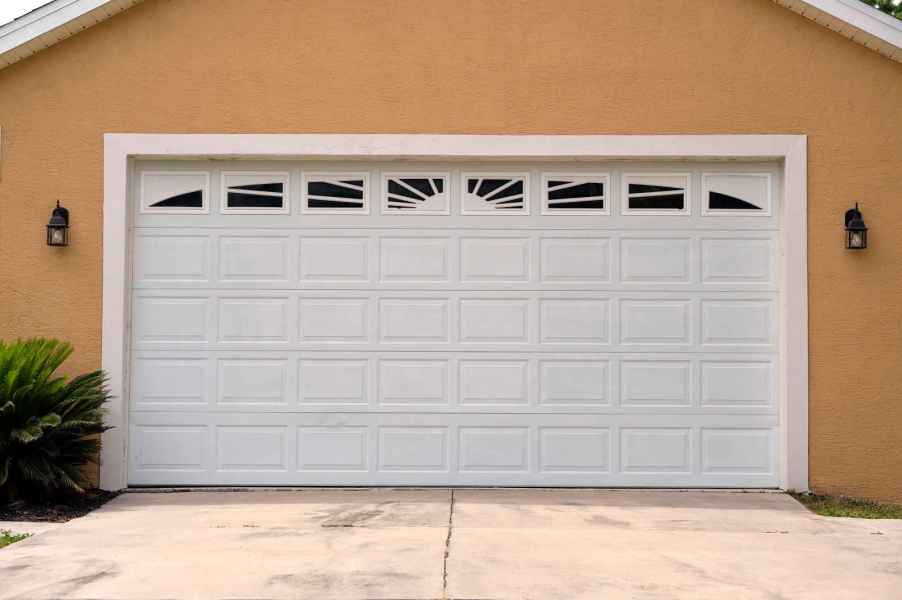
[855, 20]
[52, 23]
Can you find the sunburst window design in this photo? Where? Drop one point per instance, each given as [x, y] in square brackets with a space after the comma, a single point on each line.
[575, 194]
[656, 194]
[336, 192]
[736, 193]
[495, 194]
[255, 193]
[415, 193]
[175, 192]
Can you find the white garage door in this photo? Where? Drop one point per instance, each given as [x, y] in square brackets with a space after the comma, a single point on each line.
[477, 324]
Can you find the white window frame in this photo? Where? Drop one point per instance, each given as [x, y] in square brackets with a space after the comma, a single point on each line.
[625, 195]
[170, 210]
[283, 177]
[121, 150]
[588, 177]
[307, 176]
[764, 212]
[494, 175]
[383, 198]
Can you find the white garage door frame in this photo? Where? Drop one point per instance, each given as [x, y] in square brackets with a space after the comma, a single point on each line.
[790, 150]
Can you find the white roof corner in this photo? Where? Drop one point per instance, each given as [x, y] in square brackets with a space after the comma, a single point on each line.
[51, 23]
[59, 19]
[856, 21]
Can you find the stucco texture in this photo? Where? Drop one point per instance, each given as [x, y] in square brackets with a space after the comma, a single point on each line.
[478, 66]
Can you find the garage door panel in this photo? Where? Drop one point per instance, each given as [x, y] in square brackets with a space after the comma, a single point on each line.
[394, 449]
[271, 381]
[363, 258]
[533, 346]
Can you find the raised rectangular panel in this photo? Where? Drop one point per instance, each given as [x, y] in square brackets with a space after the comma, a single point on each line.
[170, 381]
[648, 450]
[494, 259]
[494, 320]
[414, 259]
[243, 447]
[493, 382]
[737, 260]
[338, 320]
[574, 449]
[327, 381]
[253, 258]
[574, 382]
[169, 447]
[170, 319]
[333, 259]
[332, 449]
[737, 383]
[737, 451]
[252, 381]
[655, 260]
[575, 321]
[494, 449]
[655, 383]
[413, 320]
[413, 381]
[576, 260]
[171, 258]
[413, 449]
[254, 320]
[737, 322]
[655, 322]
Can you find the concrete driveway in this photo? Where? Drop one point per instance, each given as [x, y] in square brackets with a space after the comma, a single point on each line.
[394, 544]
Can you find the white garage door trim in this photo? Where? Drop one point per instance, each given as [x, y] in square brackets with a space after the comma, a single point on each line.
[120, 149]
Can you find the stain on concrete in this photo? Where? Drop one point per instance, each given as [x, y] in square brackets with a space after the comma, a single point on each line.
[607, 521]
[352, 518]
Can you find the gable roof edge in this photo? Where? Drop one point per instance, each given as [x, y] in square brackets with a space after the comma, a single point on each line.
[855, 20]
[52, 23]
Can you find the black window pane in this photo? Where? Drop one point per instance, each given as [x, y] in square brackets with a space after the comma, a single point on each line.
[397, 189]
[439, 184]
[583, 190]
[490, 185]
[323, 188]
[239, 200]
[260, 187]
[421, 185]
[666, 202]
[597, 204]
[193, 199]
[641, 188]
[513, 190]
[316, 203]
[718, 201]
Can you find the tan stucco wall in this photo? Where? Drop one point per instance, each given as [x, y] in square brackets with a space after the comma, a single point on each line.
[477, 66]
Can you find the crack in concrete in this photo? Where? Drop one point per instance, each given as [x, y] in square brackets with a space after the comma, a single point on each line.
[447, 547]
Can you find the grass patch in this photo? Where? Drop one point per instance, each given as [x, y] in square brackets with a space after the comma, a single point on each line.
[8, 537]
[838, 506]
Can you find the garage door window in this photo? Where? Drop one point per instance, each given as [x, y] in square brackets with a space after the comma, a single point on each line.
[255, 193]
[175, 192]
[574, 194]
[336, 193]
[495, 193]
[736, 193]
[656, 194]
[415, 193]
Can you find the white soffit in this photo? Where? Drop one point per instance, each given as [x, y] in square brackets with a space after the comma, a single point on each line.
[51, 23]
[856, 21]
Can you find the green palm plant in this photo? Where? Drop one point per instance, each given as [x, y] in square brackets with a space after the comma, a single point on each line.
[49, 425]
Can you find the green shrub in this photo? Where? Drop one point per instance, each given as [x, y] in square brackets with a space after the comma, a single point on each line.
[49, 426]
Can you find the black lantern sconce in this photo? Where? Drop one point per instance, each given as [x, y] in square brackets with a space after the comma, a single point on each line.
[58, 227]
[856, 230]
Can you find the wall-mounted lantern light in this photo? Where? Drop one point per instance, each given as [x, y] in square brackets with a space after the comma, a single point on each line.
[58, 227]
[856, 230]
